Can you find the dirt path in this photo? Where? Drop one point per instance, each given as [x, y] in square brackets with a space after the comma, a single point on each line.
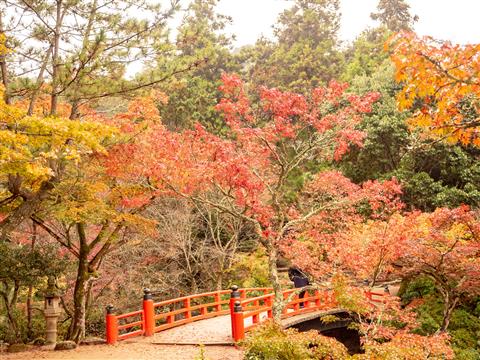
[131, 351]
[215, 330]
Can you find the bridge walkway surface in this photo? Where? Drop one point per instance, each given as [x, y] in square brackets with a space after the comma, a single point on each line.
[217, 331]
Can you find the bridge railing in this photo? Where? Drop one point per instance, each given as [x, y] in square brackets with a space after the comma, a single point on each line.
[249, 312]
[175, 312]
[158, 316]
[247, 308]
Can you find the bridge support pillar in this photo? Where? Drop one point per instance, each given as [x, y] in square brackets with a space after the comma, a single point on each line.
[111, 326]
[148, 313]
[238, 325]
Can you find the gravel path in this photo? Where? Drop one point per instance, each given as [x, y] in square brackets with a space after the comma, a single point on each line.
[131, 351]
[214, 330]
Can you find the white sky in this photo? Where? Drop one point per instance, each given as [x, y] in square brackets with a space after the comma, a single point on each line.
[455, 20]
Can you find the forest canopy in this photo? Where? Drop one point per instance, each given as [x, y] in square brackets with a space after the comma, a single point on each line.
[357, 163]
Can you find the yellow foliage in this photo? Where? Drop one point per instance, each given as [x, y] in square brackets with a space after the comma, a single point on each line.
[28, 144]
[4, 50]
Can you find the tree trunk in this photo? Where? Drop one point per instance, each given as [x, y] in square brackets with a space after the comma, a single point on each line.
[3, 67]
[10, 305]
[219, 282]
[278, 302]
[448, 307]
[30, 288]
[29, 312]
[56, 58]
[24, 211]
[74, 113]
[77, 326]
[39, 83]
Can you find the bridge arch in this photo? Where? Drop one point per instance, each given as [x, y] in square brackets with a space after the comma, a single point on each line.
[339, 329]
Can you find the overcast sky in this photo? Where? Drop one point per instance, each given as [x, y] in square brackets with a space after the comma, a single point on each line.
[455, 20]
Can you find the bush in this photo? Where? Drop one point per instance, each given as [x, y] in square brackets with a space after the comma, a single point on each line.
[37, 329]
[95, 322]
[406, 346]
[467, 354]
[464, 327]
[271, 342]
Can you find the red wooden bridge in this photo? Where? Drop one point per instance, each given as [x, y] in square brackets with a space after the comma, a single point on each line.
[237, 311]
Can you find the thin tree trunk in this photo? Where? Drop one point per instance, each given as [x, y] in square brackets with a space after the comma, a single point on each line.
[77, 326]
[55, 58]
[30, 288]
[39, 83]
[274, 279]
[219, 284]
[448, 307]
[3, 67]
[74, 113]
[10, 305]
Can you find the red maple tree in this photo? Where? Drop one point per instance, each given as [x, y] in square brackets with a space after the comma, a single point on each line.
[248, 172]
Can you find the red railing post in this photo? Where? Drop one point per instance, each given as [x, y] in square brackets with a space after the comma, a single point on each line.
[234, 296]
[239, 332]
[111, 324]
[318, 301]
[296, 306]
[269, 302]
[148, 313]
[218, 307]
[186, 305]
[306, 303]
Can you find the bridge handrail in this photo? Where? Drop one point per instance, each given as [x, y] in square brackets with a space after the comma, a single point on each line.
[120, 327]
[241, 308]
[194, 296]
[247, 301]
[321, 300]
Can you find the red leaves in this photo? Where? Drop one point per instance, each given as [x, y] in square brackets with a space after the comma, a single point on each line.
[332, 183]
[283, 104]
[339, 235]
[446, 246]
[345, 138]
[135, 202]
[244, 166]
[235, 105]
[383, 197]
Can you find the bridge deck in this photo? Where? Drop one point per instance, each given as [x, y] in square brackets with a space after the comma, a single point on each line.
[210, 331]
[217, 331]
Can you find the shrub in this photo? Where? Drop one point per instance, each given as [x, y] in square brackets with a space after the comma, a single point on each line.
[270, 342]
[409, 347]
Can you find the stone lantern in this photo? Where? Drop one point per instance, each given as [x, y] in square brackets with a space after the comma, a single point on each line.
[51, 311]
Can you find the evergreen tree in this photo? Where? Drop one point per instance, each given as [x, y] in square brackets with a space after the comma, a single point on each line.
[201, 40]
[395, 15]
[80, 51]
[305, 52]
[432, 174]
[366, 54]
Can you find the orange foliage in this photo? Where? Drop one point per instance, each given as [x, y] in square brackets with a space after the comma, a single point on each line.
[441, 83]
